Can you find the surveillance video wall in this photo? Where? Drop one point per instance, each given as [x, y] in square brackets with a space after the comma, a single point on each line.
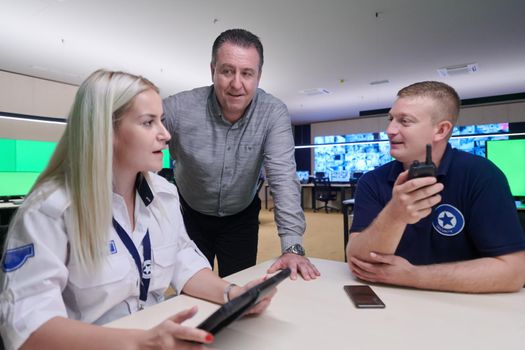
[346, 157]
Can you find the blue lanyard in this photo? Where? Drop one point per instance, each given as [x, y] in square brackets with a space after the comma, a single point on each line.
[143, 268]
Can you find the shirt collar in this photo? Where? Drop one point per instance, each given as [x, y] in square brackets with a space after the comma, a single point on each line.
[444, 165]
[213, 105]
[215, 109]
[143, 189]
[395, 170]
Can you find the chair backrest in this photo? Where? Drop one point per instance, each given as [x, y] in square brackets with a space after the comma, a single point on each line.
[323, 187]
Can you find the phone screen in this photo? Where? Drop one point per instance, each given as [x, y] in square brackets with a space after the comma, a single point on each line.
[363, 296]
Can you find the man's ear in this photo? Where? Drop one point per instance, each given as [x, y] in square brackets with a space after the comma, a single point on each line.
[212, 69]
[443, 130]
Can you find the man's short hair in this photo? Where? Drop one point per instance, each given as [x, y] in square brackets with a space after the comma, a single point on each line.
[439, 92]
[238, 37]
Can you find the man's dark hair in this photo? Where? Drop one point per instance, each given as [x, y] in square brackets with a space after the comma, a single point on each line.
[238, 37]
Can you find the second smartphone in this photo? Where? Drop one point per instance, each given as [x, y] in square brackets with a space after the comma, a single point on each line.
[363, 296]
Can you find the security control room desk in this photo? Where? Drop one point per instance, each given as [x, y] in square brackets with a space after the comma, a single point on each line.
[7, 210]
[8, 205]
[318, 315]
[340, 187]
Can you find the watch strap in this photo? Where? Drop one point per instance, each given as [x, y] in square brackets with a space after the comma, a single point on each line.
[227, 292]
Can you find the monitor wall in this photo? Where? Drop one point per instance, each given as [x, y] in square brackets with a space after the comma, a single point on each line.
[359, 153]
[509, 156]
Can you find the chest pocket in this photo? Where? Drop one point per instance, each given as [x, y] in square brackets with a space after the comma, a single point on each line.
[90, 294]
[164, 258]
[114, 269]
[247, 151]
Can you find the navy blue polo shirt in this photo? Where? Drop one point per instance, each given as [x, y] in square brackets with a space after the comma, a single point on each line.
[476, 217]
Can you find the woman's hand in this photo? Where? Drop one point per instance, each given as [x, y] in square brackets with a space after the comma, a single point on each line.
[170, 334]
[262, 304]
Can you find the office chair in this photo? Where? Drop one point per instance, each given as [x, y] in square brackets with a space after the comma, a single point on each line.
[324, 192]
[3, 236]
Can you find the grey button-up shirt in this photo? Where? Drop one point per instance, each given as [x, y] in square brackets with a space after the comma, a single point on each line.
[217, 163]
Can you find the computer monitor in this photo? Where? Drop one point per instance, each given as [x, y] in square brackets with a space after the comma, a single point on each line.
[509, 156]
[21, 162]
[340, 176]
[303, 176]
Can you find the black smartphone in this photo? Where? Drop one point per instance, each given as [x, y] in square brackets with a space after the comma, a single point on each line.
[363, 297]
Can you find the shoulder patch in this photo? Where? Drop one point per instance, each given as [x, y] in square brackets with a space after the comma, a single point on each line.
[55, 204]
[448, 220]
[17, 257]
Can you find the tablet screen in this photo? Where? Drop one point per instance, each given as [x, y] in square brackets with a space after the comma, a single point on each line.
[238, 306]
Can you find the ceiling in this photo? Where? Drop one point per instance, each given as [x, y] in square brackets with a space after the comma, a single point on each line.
[337, 45]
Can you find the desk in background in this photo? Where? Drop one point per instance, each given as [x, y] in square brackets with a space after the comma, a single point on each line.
[318, 315]
[7, 210]
[343, 188]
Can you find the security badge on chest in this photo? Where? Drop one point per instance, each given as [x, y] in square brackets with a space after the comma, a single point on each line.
[448, 220]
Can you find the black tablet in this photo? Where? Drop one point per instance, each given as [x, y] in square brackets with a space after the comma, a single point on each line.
[235, 308]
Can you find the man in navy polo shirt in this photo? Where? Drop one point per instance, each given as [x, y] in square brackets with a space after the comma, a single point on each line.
[458, 231]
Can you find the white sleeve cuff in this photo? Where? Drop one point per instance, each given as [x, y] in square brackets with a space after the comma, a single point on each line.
[189, 261]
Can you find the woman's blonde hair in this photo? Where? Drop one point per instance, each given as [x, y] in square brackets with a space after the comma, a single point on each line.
[83, 159]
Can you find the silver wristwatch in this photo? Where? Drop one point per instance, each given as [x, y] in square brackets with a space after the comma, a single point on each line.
[295, 249]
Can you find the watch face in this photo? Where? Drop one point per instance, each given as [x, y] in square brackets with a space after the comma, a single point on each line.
[296, 249]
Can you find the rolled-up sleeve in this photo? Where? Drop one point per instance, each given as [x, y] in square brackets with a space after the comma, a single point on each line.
[280, 170]
[189, 261]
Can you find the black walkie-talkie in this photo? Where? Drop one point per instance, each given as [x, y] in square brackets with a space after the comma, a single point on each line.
[428, 168]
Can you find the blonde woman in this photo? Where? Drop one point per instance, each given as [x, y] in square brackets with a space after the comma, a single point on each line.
[93, 241]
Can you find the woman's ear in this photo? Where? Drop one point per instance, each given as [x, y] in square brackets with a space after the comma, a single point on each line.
[443, 130]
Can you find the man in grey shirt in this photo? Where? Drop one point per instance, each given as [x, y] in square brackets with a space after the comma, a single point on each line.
[221, 137]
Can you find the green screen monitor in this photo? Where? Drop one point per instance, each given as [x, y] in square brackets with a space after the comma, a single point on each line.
[166, 163]
[509, 156]
[16, 184]
[21, 162]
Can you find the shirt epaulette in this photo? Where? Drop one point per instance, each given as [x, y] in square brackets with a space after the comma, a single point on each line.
[55, 205]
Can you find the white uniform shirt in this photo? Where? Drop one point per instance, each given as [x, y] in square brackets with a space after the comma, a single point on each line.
[40, 280]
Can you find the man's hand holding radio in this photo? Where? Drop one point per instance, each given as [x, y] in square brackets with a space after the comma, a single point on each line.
[413, 199]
